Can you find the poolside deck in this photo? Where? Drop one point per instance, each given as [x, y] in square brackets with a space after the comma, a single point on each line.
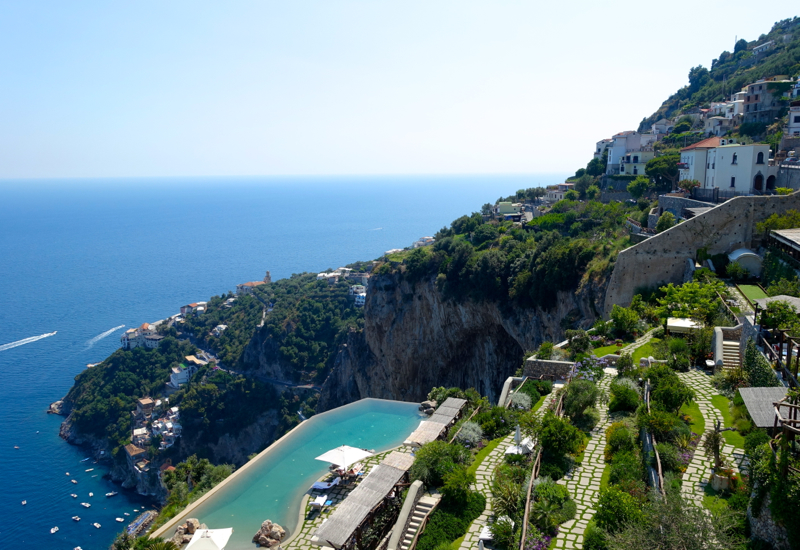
[311, 519]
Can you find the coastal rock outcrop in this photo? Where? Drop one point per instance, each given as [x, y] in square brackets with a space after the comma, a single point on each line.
[414, 338]
[269, 535]
[185, 531]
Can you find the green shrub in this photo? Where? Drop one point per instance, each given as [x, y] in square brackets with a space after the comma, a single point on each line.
[625, 466]
[754, 439]
[672, 395]
[503, 533]
[594, 538]
[434, 460]
[544, 387]
[669, 457]
[618, 439]
[658, 423]
[615, 508]
[589, 419]
[496, 422]
[558, 437]
[554, 467]
[580, 394]
[457, 483]
[623, 397]
[451, 520]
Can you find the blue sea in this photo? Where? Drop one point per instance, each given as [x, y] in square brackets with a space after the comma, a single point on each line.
[87, 257]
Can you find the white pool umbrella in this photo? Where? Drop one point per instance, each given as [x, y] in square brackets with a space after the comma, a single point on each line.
[344, 456]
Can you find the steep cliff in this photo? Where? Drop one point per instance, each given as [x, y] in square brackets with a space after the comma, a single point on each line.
[414, 339]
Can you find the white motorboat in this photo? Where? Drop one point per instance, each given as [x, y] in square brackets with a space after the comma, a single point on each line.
[96, 525]
[91, 494]
[112, 493]
[73, 495]
[76, 518]
[90, 470]
[120, 520]
[54, 530]
[74, 481]
[86, 505]
[24, 502]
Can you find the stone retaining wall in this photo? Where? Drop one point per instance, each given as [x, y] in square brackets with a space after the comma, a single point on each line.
[661, 259]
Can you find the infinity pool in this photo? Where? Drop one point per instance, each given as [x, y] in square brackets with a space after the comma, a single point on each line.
[273, 484]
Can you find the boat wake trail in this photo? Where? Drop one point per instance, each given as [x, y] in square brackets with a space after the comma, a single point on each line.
[376, 229]
[93, 341]
[24, 341]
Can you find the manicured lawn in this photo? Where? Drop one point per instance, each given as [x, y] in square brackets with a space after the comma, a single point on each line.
[698, 424]
[731, 438]
[538, 404]
[483, 453]
[714, 501]
[644, 351]
[606, 350]
[605, 477]
[579, 456]
[752, 292]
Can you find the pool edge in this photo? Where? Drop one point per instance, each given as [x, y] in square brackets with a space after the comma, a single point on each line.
[185, 512]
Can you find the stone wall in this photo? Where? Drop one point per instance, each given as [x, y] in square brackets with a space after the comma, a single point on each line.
[677, 204]
[661, 259]
[652, 218]
[788, 176]
[614, 195]
[764, 527]
[549, 370]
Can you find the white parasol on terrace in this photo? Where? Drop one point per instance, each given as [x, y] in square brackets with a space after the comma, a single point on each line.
[344, 456]
[210, 539]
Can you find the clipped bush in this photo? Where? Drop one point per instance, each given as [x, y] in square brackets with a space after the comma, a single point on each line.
[589, 419]
[546, 489]
[594, 538]
[434, 460]
[457, 483]
[544, 387]
[451, 520]
[580, 395]
[496, 422]
[503, 533]
[558, 437]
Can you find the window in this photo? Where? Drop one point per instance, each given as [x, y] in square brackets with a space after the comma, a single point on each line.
[733, 181]
[635, 158]
[797, 119]
[735, 158]
[756, 97]
[760, 158]
[635, 170]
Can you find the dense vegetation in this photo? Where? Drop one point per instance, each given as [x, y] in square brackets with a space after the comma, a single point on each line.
[524, 266]
[241, 317]
[730, 72]
[308, 322]
[104, 396]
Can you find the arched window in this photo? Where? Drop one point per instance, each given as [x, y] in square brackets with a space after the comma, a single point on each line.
[760, 158]
[735, 158]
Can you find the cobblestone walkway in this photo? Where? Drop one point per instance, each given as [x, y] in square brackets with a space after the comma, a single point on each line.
[313, 519]
[698, 472]
[584, 482]
[483, 482]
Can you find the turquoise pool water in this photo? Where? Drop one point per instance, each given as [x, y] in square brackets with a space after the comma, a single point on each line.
[273, 487]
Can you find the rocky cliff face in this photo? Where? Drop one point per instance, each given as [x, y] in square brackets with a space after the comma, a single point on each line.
[415, 339]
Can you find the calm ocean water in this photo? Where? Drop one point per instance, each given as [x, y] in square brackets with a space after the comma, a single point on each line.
[83, 257]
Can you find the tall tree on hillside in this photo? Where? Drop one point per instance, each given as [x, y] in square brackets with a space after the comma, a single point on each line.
[664, 171]
[741, 45]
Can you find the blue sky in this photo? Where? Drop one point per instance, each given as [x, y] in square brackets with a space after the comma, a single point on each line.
[99, 89]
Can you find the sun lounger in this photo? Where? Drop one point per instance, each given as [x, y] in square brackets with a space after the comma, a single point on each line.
[321, 485]
[486, 534]
[319, 502]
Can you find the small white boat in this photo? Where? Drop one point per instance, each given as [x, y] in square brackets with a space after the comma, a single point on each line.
[120, 520]
[77, 548]
[96, 525]
[73, 495]
[112, 493]
[86, 505]
[85, 459]
[54, 530]
[90, 470]
[135, 509]
[126, 513]
[67, 474]
[76, 518]
[91, 494]
[24, 502]
[16, 446]
[73, 481]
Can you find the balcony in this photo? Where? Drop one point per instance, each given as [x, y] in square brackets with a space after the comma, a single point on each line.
[682, 166]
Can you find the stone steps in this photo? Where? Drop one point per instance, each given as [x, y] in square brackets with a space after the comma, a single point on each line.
[421, 511]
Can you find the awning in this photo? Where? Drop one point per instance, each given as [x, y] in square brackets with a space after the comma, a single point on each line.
[344, 456]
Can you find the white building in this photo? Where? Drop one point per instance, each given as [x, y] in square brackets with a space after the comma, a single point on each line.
[360, 278]
[140, 437]
[743, 169]
[634, 162]
[793, 126]
[219, 329]
[357, 289]
[181, 374]
[626, 143]
[601, 146]
[717, 125]
[662, 126]
[145, 335]
[557, 193]
[332, 277]
[361, 300]
[424, 241]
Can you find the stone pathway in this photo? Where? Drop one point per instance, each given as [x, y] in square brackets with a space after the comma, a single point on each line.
[313, 519]
[584, 481]
[698, 472]
[642, 340]
[483, 482]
